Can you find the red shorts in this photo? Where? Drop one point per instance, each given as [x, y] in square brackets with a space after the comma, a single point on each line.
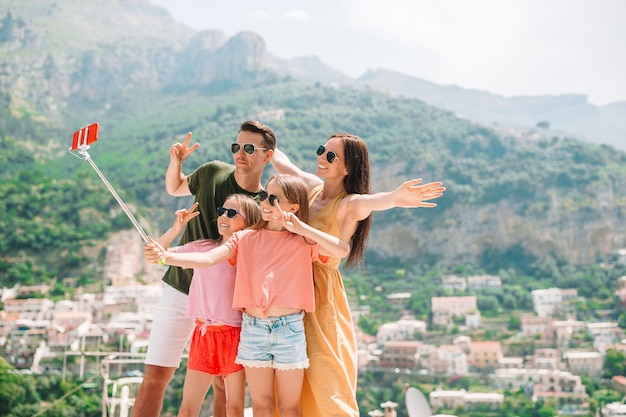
[215, 352]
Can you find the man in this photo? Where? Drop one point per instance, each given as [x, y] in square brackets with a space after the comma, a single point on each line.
[210, 184]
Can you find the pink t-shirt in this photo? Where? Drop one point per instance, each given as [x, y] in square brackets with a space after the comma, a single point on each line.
[211, 290]
[274, 268]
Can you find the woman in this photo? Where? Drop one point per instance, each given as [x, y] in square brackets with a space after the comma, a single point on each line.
[341, 205]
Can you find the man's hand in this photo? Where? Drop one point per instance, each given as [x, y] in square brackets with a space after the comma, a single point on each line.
[179, 152]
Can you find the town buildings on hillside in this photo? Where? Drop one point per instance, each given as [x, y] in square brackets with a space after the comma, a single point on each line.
[33, 328]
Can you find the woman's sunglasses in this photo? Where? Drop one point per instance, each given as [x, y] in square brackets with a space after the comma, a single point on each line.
[330, 155]
[273, 198]
[231, 213]
[248, 148]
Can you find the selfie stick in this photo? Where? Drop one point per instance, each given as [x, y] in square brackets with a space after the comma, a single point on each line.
[82, 138]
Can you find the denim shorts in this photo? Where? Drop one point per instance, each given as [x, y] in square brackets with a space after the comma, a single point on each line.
[273, 342]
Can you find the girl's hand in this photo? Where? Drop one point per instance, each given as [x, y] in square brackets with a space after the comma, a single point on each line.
[154, 252]
[288, 220]
[183, 216]
[412, 194]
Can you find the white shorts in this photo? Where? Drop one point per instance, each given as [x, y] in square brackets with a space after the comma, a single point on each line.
[171, 329]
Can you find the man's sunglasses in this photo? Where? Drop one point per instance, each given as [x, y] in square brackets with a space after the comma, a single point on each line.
[273, 198]
[248, 148]
[229, 212]
[330, 155]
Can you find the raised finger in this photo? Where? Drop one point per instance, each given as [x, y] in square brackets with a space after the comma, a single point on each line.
[430, 196]
[414, 183]
[431, 185]
[433, 191]
[194, 207]
[287, 217]
[193, 215]
[187, 140]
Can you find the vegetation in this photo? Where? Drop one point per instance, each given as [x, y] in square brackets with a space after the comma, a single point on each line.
[54, 201]
[47, 395]
[56, 214]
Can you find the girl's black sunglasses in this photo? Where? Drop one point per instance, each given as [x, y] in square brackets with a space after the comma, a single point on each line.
[264, 196]
[330, 155]
[229, 212]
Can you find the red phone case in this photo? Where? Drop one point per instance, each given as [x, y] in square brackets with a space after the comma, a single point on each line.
[85, 136]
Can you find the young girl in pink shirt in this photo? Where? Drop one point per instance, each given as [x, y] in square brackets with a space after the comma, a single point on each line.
[215, 339]
[273, 288]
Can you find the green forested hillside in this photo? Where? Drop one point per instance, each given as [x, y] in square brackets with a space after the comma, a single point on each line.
[513, 197]
[55, 205]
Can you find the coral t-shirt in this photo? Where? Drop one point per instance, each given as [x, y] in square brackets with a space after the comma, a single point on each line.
[274, 268]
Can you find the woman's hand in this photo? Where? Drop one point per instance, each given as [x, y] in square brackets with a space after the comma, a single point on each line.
[414, 194]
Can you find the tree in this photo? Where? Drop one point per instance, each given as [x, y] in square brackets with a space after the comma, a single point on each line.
[11, 390]
[368, 325]
[546, 411]
[613, 363]
[515, 323]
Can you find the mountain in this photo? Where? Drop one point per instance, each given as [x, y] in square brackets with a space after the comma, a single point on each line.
[567, 114]
[309, 68]
[516, 198]
[166, 54]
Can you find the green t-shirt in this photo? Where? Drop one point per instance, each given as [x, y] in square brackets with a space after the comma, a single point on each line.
[210, 184]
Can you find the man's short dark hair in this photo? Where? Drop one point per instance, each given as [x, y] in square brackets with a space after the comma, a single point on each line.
[269, 139]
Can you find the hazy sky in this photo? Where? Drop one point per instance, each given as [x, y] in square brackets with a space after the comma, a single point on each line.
[506, 47]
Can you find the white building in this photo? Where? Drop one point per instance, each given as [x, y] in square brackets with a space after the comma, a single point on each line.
[442, 360]
[544, 383]
[453, 283]
[545, 302]
[604, 334]
[30, 308]
[480, 282]
[614, 410]
[586, 363]
[564, 329]
[465, 400]
[472, 319]
[444, 309]
[404, 329]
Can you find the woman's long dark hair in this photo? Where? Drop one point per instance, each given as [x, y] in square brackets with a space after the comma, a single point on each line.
[356, 159]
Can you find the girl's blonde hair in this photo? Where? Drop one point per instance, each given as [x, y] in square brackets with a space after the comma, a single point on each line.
[296, 193]
[248, 207]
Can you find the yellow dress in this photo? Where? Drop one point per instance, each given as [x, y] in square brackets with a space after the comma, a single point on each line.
[330, 381]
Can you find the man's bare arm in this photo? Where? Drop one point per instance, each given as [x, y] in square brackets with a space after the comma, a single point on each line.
[175, 181]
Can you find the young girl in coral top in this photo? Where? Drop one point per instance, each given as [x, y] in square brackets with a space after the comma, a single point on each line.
[273, 287]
